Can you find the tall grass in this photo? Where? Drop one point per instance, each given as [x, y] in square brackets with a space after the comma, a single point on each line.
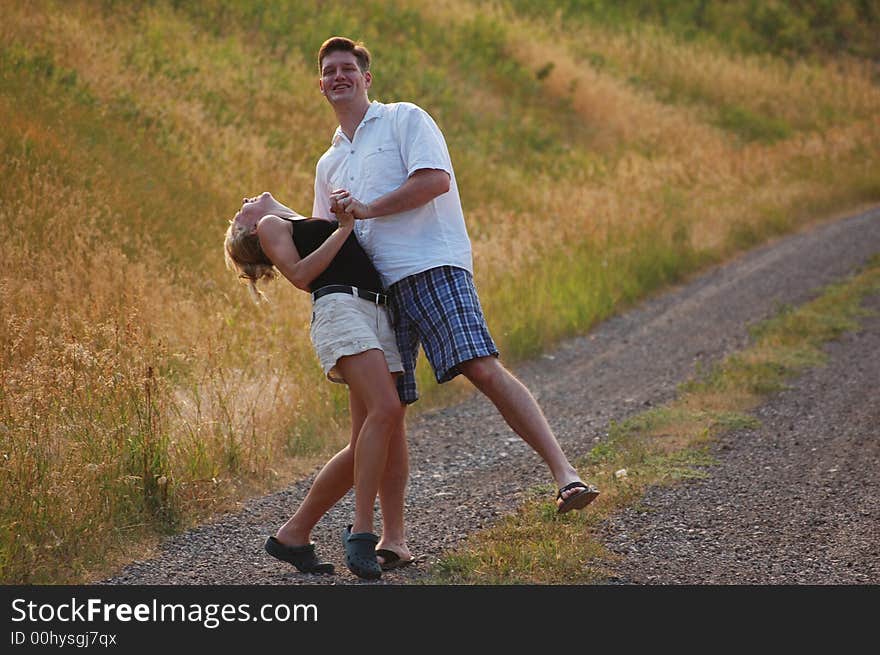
[140, 388]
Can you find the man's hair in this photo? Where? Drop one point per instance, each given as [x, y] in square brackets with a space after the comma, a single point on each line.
[344, 44]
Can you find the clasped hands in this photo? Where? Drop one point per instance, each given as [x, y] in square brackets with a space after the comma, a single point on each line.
[342, 202]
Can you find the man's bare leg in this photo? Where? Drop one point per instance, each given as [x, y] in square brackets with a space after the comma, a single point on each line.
[392, 492]
[522, 413]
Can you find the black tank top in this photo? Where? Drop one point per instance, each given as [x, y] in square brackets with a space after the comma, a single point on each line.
[351, 265]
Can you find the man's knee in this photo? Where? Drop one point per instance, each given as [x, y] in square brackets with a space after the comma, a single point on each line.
[483, 372]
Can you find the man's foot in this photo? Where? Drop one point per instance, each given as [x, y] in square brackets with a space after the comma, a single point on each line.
[575, 495]
[393, 555]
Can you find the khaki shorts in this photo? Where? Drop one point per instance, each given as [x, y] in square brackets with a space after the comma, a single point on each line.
[344, 325]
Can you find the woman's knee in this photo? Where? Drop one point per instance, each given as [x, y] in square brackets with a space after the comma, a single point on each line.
[388, 412]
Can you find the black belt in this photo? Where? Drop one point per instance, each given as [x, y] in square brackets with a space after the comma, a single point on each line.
[372, 296]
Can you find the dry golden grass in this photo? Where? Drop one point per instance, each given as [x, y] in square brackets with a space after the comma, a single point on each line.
[151, 60]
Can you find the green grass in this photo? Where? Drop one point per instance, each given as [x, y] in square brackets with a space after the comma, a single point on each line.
[751, 126]
[821, 27]
[662, 446]
[587, 283]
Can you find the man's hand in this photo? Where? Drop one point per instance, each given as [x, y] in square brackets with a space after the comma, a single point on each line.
[342, 201]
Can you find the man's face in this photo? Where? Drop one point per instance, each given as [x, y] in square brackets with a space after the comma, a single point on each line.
[342, 80]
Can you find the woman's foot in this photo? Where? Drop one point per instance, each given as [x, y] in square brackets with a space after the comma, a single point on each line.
[360, 554]
[303, 558]
[289, 536]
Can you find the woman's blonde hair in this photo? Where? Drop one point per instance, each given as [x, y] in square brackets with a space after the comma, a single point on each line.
[245, 256]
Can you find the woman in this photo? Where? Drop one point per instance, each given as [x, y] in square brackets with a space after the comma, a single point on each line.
[355, 343]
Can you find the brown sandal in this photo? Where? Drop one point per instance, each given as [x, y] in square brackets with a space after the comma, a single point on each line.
[579, 500]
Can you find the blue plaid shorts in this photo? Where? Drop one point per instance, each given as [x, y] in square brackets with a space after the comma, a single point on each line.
[440, 310]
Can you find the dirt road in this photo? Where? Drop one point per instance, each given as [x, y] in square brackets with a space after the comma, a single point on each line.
[794, 501]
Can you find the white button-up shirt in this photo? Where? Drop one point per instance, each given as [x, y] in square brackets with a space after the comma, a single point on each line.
[391, 143]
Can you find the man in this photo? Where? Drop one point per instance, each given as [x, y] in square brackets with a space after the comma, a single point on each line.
[389, 167]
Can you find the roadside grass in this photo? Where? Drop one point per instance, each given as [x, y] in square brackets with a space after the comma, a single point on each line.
[661, 446]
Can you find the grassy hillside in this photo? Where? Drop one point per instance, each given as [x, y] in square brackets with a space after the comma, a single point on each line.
[601, 153]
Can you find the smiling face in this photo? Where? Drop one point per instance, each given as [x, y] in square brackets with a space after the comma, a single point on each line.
[342, 81]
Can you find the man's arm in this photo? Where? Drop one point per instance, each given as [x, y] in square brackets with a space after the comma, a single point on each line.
[419, 189]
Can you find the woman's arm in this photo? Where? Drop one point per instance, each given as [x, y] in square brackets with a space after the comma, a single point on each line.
[274, 235]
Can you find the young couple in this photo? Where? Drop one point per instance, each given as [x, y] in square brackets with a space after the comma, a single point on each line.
[397, 254]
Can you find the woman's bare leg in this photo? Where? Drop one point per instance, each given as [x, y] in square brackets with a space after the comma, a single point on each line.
[337, 477]
[331, 484]
[371, 384]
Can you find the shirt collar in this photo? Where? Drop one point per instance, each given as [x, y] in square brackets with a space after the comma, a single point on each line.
[374, 111]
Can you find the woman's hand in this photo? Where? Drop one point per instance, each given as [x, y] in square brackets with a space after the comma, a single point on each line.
[338, 207]
[346, 220]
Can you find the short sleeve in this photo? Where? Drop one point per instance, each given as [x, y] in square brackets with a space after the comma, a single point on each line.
[321, 204]
[421, 142]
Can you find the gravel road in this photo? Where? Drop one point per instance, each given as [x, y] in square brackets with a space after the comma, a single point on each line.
[793, 501]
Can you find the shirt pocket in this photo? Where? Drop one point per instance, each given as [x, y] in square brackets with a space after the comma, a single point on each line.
[383, 169]
[339, 179]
